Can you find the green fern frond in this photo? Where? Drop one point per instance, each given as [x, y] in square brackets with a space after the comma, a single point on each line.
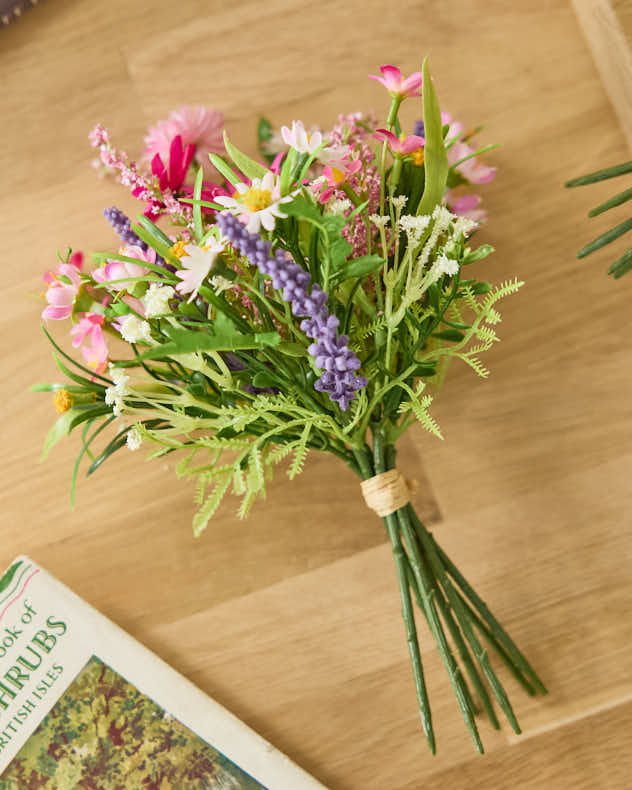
[255, 467]
[300, 453]
[493, 316]
[419, 406]
[500, 292]
[372, 328]
[213, 501]
[239, 480]
[476, 365]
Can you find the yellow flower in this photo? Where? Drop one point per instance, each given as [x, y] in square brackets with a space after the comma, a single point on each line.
[62, 400]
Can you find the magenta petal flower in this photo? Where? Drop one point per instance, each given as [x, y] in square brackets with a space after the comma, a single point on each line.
[403, 146]
[392, 80]
[197, 126]
[180, 157]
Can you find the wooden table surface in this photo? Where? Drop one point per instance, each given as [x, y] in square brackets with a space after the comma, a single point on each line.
[291, 619]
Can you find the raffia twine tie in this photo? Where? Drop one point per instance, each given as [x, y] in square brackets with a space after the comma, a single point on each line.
[387, 492]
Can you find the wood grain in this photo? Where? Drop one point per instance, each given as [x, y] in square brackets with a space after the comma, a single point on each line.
[607, 26]
[291, 619]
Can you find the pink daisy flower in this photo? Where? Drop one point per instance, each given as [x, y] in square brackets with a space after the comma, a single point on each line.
[197, 126]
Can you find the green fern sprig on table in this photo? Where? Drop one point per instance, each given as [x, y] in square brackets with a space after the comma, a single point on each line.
[623, 264]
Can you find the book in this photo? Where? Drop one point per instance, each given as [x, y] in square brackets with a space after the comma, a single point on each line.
[84, 705]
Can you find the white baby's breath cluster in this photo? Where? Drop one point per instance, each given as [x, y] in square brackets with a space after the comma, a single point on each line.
[114, 396]
[134, 438]
[156, 300]
[414, 227]
[338, 206]
[134, 329]
[379, 221]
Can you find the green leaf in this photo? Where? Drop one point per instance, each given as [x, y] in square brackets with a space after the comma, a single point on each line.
[617, 200]
[477, 288]
[91, 386]
[601, 175]
[60, 429]
[435, 155]
[248, 166]
[224, 338]
[265, 380]
[197, 209]
[605, 238]
[358, 267]
[224, 169]
[449, 334]
[264, 134]
[292, 349]
[155, 238]
[472, 256]
[621, 265]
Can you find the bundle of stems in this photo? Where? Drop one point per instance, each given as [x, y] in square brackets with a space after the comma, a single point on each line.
[428, 578]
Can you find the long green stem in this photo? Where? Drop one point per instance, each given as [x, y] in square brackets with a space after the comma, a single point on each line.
[427, 594]
[495, 627]
[461, 646]
[390, 522]
[465, 623]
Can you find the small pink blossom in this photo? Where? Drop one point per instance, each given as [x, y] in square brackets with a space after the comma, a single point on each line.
[98, 136]
[397, 86]
[120, 270]
[473, 169]
[63, 287]
[466, 205]
[197, 126]
[88, 335]
[336, 176]
[402, 146]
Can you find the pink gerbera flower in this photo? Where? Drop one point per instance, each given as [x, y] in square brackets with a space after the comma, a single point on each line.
[197, 126]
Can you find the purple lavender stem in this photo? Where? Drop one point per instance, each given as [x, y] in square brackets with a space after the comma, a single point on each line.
[330, 350]
[123, 227]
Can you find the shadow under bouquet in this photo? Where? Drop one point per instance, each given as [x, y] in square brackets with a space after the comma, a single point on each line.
[313, 303]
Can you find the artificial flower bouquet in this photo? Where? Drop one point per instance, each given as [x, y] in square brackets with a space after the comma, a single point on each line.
[260, 311]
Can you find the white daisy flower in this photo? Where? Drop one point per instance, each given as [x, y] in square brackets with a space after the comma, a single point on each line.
[197, 262]
[298, 138]
[257, 204]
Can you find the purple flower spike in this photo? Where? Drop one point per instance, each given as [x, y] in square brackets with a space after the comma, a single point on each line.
[123, 227]
[330, 350]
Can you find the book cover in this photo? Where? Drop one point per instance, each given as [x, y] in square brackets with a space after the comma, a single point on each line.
[84, 705]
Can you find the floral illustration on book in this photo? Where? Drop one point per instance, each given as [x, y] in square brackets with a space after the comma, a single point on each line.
[103, 732]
